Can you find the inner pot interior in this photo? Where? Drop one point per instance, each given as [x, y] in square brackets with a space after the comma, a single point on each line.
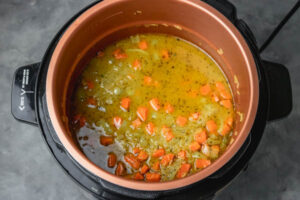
[110, 21]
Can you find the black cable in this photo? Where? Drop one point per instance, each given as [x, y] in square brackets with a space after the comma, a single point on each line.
[279, 27]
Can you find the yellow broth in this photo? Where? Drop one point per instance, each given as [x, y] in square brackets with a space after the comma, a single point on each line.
[174, 73]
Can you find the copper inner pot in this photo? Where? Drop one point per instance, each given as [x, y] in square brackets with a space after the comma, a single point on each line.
[192, 20]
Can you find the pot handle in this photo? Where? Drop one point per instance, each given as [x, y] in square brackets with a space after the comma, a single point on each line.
[280, 90]
[23, 94]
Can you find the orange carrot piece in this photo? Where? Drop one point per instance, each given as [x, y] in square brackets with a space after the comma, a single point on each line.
[92, 101]
[215, 149]
[168, 108]
[136, 150]
[211, 126]
[226, 103]
[181, 121]
[195, 116]
[117, 122]
[182, 154]
[200, 137]
[194, 146]
[156, 166]
[136, 64]
[132, 161]
[226, 129]
[142, 113]
[229, 121]
[152, 177]
[167, 159]
[167, 132]
[158, 153]
[138, 176]
[121, 169]
[143, 155]
[147, 80]
[154, 103]
[136, 123]
[106, 140]
[165, 54]
[119, 54]
[156, 83]
[225, 94]
[125, 103]
[112, 159]
[144, 169]
[220, 86]
[202, 163]
[205, 90]
[90, 84]
[143, 44]
[183, 171]
[150, 128]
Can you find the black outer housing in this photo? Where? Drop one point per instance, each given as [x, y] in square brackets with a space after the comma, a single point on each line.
[204, 189]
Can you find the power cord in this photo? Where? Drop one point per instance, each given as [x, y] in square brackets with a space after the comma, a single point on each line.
[279, 26]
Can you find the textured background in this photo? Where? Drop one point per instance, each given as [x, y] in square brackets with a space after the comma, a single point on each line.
[28, 170]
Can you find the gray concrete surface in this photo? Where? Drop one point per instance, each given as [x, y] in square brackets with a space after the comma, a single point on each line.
[27, 169]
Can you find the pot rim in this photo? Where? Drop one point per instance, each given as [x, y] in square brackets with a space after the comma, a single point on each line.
[80, 158]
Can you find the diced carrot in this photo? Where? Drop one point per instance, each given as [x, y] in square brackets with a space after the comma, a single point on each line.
[136, 150]
[215, 149]
[229, 121]
[165, 54]
[100, 54]
[220, 86]
[215, 97]
[158, 153]
[136, 123]
[119, 54]
[121, 169]
[167, 132]
[147, 80]
[143, 155]
[144, 169]
[195, 146]
[125, 103]
[90, 84]
[202, 163]
[156, 166]
[112, 159]
[211, 126]
[226, 129]
[106, 140]
[132, 161]
[182, 154]
[226, 103]
[143, 44]
[184, 170]
[138, 176]
[152, 177]
[156, 83]
[195, 116]
[154, 104]
[117, 122]
[205, 90]
[168, 108]
[225, 94]
[167, 159]
[136, 64]
[181, 121]
[142, 113]
[150, 128]
[92, 101]
[200, 137]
